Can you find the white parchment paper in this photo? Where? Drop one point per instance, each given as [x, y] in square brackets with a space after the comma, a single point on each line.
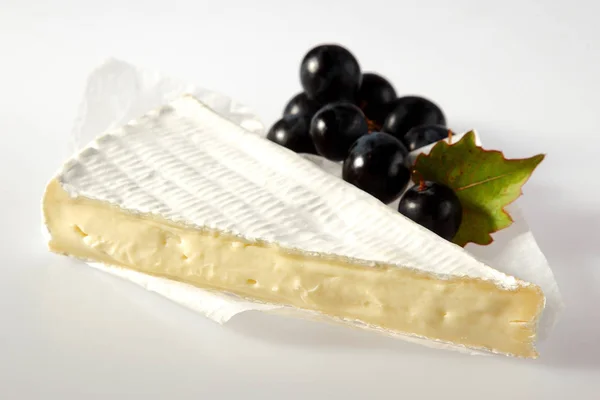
[118, 92]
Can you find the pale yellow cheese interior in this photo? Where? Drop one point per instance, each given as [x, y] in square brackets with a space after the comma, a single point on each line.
[464, 311]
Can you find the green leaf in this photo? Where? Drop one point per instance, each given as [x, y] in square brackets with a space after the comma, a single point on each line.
[484, 181]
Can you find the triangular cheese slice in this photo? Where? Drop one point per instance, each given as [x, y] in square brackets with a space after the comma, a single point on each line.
[184, 194]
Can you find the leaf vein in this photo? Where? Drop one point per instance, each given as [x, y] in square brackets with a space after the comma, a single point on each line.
[493, 178]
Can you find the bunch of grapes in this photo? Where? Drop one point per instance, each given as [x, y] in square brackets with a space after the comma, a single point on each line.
[357, 118]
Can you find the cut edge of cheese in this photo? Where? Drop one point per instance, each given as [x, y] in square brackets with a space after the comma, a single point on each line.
[462, 311]
[222, 307]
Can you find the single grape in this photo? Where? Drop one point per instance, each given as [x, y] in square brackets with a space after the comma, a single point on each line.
[330, 73]
[376, 164]
[434, 206]
[292, 132]
[421, 136]
[300, 104]
[375, 96]
[335, 127]
[410, 111]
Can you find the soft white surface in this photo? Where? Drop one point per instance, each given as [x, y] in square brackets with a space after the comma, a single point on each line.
[69, 332]
[187, 164]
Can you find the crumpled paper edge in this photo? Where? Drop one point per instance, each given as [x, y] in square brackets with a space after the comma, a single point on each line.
[133, 92]
[117, 92]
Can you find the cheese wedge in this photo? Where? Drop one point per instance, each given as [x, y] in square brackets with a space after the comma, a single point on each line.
[184, 194]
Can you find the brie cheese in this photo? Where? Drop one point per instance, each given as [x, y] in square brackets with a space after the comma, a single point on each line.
[184, 194]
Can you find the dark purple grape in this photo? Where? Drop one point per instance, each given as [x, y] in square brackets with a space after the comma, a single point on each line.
[421, 136]
[375, 96]
[301, 105]
[292, 132]
[376, 164]
[434, 206]
[330, 73]
[410, 111]
[335, 127]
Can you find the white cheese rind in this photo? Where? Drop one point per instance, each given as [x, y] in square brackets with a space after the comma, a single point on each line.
[185, 163]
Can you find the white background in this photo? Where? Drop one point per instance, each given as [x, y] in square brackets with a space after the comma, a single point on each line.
[524, 73]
